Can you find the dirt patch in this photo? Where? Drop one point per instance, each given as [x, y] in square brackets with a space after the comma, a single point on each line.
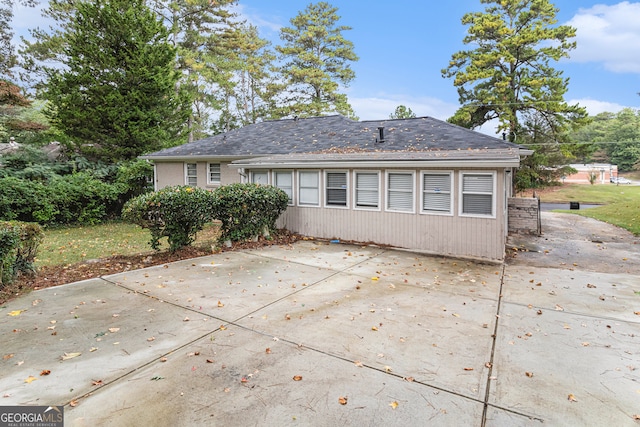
[89, 269]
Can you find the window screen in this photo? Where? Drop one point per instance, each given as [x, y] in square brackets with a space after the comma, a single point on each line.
[477, 194]
[308, 189]
[284, 181]
[436, 192]
[400, 192]
[367, 195]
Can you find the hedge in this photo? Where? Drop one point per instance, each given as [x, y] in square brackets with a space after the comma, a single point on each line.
[19, 242]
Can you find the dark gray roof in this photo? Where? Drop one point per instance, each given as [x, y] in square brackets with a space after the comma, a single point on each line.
[333, 134]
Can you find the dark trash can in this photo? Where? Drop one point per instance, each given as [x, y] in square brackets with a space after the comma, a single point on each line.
[574, 205]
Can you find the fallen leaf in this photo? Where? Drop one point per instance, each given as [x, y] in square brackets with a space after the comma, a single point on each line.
[96, 382]
[468, 369]
[529, 374]
[163, 359]
[92, 349]
[408, 379]
[73, 403]
[114, 330]
[287, 317]
[15, 312]
[358, 364]
[559, 308]
[268, 350]
[637, 313]
[636, 417]
[589, 285]
[45, 372]
[374, 328]
[68, 356]
[297, 378]
[220, 304]
[571, 398]
[7, 356]
[222, 327]
[151, 339]
[186, 319]
[375, 278]
[342, 400]
[387, 368]
[393, 404]
[156, 378]
[488, 365]
[585, 344]
[210, 361]
[30, 379]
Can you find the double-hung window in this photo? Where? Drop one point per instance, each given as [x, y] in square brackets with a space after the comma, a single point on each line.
[367, 192]
[214, 173]
[284, 181]
[336, 189]
[436, 193]
[191, 174]
[478, 194]
[308, 188]
[260, 177]
[400, 191]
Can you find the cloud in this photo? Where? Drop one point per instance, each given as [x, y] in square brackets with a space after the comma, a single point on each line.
[270, 25]
[594, 106]
[381, 107]
[609, 34]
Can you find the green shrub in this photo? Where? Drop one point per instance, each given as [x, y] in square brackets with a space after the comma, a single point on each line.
[81, 198]
[177, 212]
[19, 242]
[24, 200]
[248, 210]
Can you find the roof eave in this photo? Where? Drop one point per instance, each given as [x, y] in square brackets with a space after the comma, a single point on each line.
[299, 164]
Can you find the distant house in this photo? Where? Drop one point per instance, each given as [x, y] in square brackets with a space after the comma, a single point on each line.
[418, 183]
[602, 173]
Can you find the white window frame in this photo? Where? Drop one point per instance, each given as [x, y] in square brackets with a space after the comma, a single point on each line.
[355, 191]
[388, 190]
[493, 194]
[318, 188]
[187, 176]
[209, 172]
[291, 191]
[423, 193]
[253, 173]
[327, 188]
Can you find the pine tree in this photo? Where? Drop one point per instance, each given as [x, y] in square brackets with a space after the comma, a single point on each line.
[316, 61]
[402, 112]
[508, 72]
[116, 97]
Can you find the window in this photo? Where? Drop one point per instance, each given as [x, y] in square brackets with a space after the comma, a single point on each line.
[260, 177]
[367, 190]
[284, 181]
[400, 191]
[191, 176]
[477, 194]
[436, 193]
[214, 173]
[308, 188]
[336, 189]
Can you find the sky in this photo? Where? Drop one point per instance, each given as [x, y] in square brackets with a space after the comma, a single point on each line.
[403, 45]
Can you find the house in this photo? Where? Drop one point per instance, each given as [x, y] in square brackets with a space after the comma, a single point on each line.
[418, 183]
[599, 173]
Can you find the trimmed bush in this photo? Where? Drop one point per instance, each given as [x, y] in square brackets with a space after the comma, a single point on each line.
[19, 242]
[248, 210]
[24, 200]
[177, 212]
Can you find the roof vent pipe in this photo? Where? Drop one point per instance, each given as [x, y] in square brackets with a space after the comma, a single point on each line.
[380, 138]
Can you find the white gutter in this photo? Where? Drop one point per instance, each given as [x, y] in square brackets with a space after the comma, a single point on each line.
[334, 164]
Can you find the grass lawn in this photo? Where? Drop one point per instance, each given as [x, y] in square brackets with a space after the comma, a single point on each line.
[621, 203]
[68, 245]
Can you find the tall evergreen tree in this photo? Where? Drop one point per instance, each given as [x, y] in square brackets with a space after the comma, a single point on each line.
[402, 112]
[116, 97]
[7, 53]
[508, 72]
[316, 61]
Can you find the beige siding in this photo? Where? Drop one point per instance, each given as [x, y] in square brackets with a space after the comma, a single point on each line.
[173, 173]
[459, 236]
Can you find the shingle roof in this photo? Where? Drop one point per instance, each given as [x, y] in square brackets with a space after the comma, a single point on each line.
[334, 134]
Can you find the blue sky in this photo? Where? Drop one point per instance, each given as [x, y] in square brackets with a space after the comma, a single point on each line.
[404, 44]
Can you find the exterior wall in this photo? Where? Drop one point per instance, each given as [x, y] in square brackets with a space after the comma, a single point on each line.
[603, 173]
[524, 215]
[173, 173]
[454, 235]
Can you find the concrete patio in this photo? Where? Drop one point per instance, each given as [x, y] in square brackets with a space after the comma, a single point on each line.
[331, 334]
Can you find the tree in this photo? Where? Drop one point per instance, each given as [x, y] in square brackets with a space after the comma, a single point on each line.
[116, 97]
[615, 137]
[316, 60]
[402, 112]
[7, 54]
[508, 73]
